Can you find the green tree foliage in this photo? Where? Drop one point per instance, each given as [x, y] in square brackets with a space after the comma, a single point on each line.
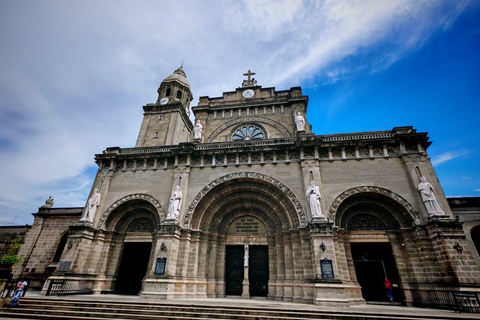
[11, 250]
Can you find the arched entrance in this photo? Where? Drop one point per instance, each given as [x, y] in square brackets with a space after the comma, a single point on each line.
[248, 210]
[246, 266]
[134, 224]
[371, 223]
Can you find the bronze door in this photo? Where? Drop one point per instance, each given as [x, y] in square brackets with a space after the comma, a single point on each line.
[258, 271]
[234, 270]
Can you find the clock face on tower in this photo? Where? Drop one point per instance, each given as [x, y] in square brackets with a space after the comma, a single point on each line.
[164, 101]
[248, 93]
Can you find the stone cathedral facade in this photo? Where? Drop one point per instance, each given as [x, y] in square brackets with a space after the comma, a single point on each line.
[247, 201]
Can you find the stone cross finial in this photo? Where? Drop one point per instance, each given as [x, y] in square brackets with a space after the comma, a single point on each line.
[250, 81]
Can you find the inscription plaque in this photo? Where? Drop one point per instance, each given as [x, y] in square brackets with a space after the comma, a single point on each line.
[160, 266]
[327, 269]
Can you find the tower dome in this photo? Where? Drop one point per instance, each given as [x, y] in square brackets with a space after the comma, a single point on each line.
[175, 88]
[178, 75]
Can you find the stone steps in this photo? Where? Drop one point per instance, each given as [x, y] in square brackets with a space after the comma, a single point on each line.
[37, 308]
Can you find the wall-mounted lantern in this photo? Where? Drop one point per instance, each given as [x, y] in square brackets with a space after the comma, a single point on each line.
[458, 247]
[323, 247]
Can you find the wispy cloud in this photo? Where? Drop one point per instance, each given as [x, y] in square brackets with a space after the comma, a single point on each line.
[447, 156]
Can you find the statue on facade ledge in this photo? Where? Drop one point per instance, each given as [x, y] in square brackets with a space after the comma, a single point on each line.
[429, 200]
[48, 203]
[299, 121]
[91, 207]
[197, 131]
[175, 202]
[313, 197]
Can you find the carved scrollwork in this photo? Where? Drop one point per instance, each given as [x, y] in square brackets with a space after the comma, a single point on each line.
[365, 222]
[141, 225]
[302, 217]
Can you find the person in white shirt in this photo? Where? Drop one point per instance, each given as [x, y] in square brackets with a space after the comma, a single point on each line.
[18, 291]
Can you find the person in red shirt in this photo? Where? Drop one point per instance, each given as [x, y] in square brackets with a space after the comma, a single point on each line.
[388, 286]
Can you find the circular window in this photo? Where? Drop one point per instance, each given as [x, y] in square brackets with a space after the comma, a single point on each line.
[248, 133]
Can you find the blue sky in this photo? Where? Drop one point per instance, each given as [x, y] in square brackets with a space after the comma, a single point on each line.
[75, 75]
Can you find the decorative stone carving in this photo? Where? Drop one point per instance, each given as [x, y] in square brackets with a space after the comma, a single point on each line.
[197, 131]
[175, 203]
[48, 203]
[429, 200]
[313, 197]
[365, 189]
[141, 225]
[275, 124]
[91, 207]
[302, 217]
[418, 221]
[138, 196]
[365, 222]
[299, 121]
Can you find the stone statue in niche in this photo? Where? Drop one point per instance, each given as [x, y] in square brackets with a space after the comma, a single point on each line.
[313, 197]
[299, 121]
[48, 203]
[91, 207]
[175, 202]
[428, 197]
[197, 131]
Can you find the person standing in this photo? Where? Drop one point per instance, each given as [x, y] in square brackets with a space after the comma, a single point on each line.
[388, 287]
[18, 291]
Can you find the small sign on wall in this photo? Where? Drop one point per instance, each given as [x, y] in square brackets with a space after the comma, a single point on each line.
[327, 269]
[160, 265]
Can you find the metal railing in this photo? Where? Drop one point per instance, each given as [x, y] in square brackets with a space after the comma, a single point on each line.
[444, 296]
[70, 283]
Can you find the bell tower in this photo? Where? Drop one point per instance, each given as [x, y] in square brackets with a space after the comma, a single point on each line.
[167, 121]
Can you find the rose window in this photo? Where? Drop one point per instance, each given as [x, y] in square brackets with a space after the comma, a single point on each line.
[248, 133]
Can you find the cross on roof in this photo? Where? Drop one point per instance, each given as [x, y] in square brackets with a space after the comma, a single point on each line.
[250, 81]
[249, 73]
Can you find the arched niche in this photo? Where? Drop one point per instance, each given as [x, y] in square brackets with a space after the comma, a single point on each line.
[368, 205]
[134, 212]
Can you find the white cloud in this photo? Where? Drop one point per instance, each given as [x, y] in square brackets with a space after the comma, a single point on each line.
[447, 156]
[75, 74]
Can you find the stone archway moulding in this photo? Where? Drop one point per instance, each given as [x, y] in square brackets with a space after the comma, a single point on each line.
[138, 196]
[224, 126]
[371, 189]
[302, 217]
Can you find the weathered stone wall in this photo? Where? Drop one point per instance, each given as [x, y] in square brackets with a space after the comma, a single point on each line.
[41, 243]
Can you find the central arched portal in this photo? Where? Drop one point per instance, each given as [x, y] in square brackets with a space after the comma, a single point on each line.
[254, 240]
